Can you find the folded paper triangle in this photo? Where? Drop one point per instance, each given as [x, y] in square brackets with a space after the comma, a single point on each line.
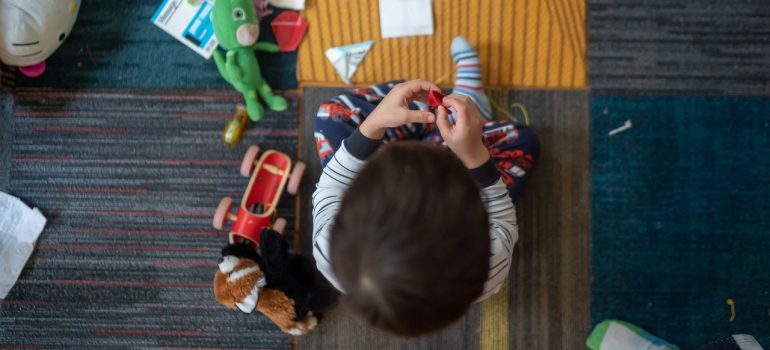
[346, 59]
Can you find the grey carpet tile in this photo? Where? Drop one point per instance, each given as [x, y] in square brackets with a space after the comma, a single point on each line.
[674, 47]
[129, 180]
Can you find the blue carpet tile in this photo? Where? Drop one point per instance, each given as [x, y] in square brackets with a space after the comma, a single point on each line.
[681, 215]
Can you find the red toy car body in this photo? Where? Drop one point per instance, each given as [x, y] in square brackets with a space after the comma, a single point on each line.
[269, 176]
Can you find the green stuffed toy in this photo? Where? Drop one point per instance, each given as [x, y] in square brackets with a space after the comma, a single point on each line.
[237, 28]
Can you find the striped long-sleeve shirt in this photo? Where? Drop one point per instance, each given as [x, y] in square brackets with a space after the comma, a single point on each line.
[343, 168]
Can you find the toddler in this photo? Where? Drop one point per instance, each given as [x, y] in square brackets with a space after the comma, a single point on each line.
[411, 233]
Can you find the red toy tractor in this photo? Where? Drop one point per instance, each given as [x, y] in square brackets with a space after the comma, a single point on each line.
[270, 174]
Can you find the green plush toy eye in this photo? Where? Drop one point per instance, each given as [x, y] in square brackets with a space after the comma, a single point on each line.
[239, 14]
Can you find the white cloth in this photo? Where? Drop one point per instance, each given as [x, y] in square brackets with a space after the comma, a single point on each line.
[19, 228]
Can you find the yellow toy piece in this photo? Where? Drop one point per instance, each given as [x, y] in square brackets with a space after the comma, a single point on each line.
[234, 128]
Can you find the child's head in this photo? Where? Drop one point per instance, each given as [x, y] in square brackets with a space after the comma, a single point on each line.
[410, 245]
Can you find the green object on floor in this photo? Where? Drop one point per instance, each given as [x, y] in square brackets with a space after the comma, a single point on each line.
[237, 29]
[619, 335]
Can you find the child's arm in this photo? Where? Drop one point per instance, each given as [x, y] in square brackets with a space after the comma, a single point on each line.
[464, 139]
[503, 232]
[327, 198]
[348, 160]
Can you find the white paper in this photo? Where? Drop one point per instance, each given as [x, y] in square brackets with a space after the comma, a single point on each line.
[19, 228]
[298, 5]
[346, 59]
[405, 18]
[190, 23]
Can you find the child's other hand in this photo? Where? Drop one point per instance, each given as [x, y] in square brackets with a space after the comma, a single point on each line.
[393, 111]
[464, 137]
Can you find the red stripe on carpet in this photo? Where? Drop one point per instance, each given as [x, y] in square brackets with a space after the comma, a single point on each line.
[104, 190]
[150, 232]
[202, 115]
[274, 133]
[162, 213]
[76, 95]
[24, 302]
[204, 349]
[157, 263]
[201, 162]
[130, 284]
[88, 130]
[57, 114]
[149, 332]
[42, 159]
[170, 263]
[120, 247]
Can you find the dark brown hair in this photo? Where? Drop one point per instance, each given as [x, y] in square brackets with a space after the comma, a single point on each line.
[410, 245]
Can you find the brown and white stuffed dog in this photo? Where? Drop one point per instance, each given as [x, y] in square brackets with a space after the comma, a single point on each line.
[282, 286]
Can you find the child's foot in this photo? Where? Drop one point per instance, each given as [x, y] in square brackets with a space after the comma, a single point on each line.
[468, 81]
[619, 335]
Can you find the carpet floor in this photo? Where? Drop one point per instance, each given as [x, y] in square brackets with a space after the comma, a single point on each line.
[129, 180]
[675, 46]
[681, 216]
[679, 188]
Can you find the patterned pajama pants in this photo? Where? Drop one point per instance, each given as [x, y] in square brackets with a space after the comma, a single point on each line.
[514, 147]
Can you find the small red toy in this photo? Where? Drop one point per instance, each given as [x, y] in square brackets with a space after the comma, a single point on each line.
[269, 175]
[289, 28]
[435, 99]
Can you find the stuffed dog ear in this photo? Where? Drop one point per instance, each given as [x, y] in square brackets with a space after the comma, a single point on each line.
[240, 250]
[243, 251]
[274, 249]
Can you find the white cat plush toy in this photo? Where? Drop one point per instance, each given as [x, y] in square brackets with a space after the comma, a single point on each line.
[31, 30]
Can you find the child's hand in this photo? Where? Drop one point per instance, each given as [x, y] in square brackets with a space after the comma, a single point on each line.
[463, 138]
[393, 111]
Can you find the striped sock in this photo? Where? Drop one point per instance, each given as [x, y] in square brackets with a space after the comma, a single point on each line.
[468, 81]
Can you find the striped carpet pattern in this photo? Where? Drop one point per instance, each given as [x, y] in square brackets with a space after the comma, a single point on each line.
[522, 43]
[7, 77]
[662, 46]
[129, 180]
